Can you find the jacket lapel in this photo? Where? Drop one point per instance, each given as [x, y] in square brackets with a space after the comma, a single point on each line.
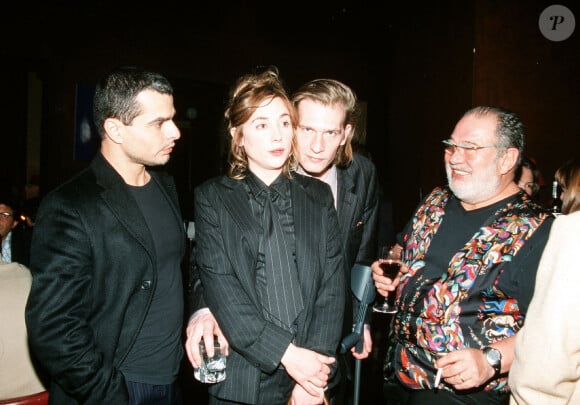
[347, 200]
[236, 203]
[307, 238]
[121, 202]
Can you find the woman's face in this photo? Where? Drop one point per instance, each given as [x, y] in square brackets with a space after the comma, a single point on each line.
[267, 138]
[526, 182]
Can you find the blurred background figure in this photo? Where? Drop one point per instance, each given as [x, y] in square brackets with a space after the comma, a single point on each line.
[18, 373]
[568, 178]
[15, 235]
[528, 177]
[30, 200]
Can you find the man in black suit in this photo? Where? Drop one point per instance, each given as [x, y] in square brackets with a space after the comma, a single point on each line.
[105, 310]
[327, 114]
[14, 234]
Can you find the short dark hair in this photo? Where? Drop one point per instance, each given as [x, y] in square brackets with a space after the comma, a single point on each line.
[529, 163]
[116, 93]
[11, 201]
[510, 129]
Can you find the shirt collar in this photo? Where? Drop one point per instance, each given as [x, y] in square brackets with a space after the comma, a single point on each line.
[280, 186]
[330, 178]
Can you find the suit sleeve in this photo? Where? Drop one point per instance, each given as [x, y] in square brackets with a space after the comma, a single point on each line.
[226, 291]
[327, 316]
[547, 353]
[367, 251]
[195, 287]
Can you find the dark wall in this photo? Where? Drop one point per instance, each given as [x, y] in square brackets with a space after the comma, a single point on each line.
[13, 138]
[517, 67]
[417, 66]
[429, 85]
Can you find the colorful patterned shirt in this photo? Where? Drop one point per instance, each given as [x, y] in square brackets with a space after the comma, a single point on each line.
[471, 290]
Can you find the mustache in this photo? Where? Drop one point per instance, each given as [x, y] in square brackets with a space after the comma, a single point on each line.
[459, 168]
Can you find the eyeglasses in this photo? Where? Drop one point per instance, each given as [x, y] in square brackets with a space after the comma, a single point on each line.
[6, 215]
[327, 133]
[451, 147]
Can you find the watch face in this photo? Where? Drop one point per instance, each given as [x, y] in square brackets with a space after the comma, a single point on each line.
[493, 356]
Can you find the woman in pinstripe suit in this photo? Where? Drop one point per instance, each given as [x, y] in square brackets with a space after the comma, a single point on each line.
[269, 257]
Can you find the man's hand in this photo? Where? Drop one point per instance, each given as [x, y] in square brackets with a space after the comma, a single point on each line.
[465, 369]
[203, 325]
[308, 368]
[301, 397]
[367, 345]
[384, 284]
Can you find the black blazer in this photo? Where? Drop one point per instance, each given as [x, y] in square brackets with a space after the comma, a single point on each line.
[358, 215]
[94, 273]
[20, 245]
[227, 237]
[358, 210]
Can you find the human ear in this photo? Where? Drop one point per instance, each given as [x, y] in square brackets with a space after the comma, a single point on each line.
[113, 130]
[348, 134]
[509, 160]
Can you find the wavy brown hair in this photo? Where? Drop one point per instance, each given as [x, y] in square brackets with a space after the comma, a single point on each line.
[568, 177]
[247, 95]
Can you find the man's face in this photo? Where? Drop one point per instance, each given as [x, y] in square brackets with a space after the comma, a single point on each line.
[474, 176]
[319, 135]
[151, 136]
[7, 221]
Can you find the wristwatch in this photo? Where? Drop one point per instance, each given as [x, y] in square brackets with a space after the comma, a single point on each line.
[493, 357]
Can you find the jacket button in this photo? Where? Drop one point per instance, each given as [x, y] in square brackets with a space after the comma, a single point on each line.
[146, 284]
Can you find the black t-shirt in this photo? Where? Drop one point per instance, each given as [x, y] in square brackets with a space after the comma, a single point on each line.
[156, 355]
[459, 225]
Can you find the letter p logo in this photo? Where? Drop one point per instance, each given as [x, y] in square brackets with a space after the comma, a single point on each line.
[557, 23]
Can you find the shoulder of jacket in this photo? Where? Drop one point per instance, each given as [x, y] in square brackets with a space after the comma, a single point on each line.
[362, 160]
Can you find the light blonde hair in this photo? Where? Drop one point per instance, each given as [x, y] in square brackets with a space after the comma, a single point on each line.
[329, 92]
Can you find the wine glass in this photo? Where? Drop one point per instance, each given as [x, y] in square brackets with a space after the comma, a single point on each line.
[390, 262]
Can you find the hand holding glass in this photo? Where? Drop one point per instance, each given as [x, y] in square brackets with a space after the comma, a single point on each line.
[390, 262]
[213, 369]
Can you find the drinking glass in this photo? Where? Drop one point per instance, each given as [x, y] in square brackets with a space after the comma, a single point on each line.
[213, 369]
[390, 262]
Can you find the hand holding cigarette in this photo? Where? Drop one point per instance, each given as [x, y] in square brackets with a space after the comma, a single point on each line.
[438, 378]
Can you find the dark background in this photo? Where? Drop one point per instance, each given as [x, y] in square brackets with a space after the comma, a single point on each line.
[417, 66]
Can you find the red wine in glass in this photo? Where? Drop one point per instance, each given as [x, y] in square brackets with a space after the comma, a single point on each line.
[390, 268]
[390, 262]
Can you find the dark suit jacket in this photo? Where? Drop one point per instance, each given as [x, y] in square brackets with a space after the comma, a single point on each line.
[358, 214]
[94, 273]
[20, 245]
[227, 237]
[358, 210]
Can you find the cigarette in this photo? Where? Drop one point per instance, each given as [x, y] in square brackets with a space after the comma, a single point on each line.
[438, 377]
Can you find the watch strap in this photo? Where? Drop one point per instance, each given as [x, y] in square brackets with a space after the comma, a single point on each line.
[493, 357]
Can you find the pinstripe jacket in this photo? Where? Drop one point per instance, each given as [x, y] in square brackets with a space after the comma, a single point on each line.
[227, 238]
